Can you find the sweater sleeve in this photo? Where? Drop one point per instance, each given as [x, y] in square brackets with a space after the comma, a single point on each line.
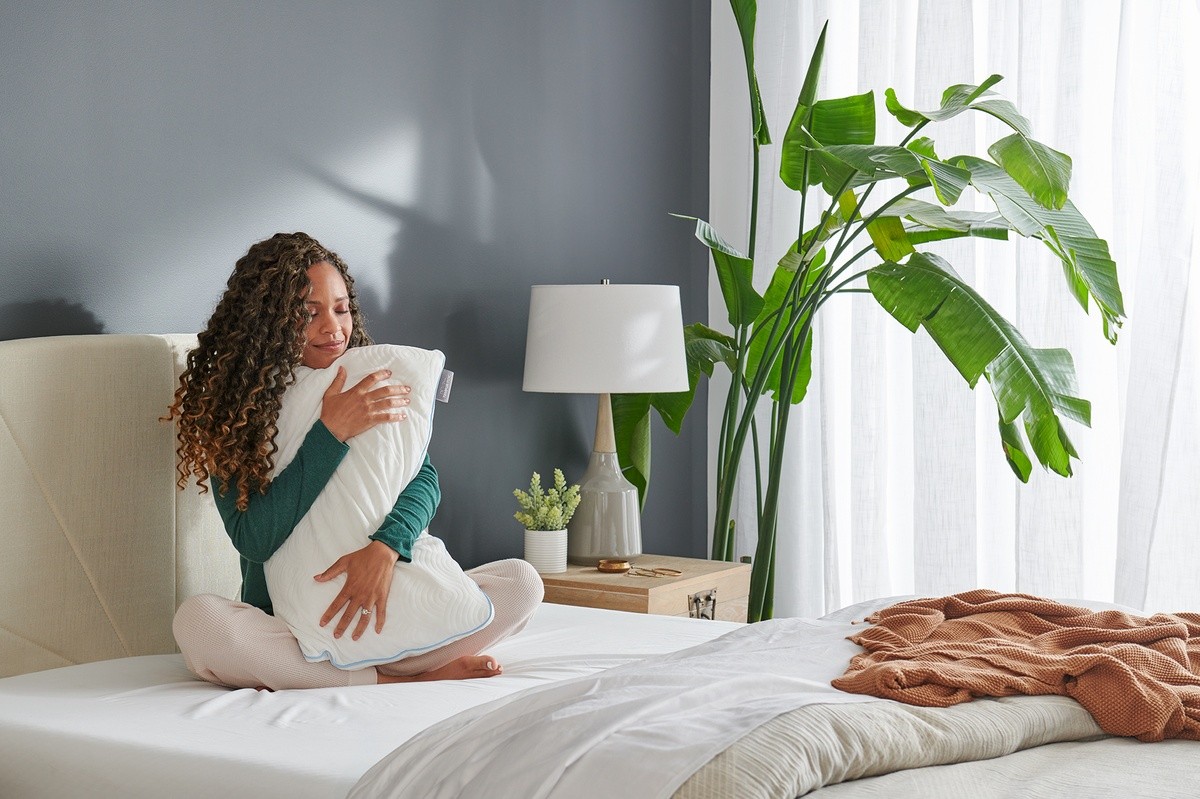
[270, 518]
[412, 513]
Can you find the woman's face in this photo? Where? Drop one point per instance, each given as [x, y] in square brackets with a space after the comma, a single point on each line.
[329, 330]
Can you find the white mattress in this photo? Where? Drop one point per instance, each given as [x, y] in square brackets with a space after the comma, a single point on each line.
[144, 726]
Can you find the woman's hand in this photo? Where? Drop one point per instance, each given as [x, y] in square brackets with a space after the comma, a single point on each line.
[368, 582]
[356, 410]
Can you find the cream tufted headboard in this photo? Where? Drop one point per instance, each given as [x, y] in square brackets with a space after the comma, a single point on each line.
[97, 546]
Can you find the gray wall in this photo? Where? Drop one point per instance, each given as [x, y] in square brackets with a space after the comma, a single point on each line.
[455, 153]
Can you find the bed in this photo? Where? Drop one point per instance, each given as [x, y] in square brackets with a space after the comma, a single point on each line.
[98, 548]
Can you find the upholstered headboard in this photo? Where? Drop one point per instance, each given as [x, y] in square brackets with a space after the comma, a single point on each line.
[97, 546]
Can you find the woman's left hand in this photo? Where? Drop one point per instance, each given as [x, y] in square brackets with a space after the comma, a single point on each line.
[368, 582]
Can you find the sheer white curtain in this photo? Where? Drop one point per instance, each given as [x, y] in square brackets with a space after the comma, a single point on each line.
[895, 479]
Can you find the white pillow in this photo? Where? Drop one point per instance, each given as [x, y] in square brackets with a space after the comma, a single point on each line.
[860, 610]
[431, 602]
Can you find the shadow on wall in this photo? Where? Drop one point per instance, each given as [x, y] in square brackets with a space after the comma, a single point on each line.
[433, 263]
[534, 167]
[39, 318]
[453, 292]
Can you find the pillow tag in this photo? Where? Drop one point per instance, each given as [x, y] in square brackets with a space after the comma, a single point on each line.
[443, 386]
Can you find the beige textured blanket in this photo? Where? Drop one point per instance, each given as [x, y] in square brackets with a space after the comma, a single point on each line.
[1138, 677]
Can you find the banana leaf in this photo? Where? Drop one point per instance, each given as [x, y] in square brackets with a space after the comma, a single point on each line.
[934, 223]
[1085, 256]
[773, 307]
[1042, 171]
[735, 273]
[804, 160]
[955, 100]
[1030, 384]
[704, 348]
[745, 12]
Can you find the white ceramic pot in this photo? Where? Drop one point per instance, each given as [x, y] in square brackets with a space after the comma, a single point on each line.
[546, 550]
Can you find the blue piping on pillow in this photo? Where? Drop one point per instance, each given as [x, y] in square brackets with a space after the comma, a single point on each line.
[403, 653]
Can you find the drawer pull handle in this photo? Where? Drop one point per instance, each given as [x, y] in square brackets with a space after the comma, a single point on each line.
[703, 604]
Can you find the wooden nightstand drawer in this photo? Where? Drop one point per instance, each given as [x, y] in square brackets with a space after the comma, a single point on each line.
[666, 596]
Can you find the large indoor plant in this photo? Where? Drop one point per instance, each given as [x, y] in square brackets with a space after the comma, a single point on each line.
[852, 241]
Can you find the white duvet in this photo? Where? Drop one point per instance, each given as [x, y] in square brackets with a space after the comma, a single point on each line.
[634, 731]
[751, 715]
[432, 602]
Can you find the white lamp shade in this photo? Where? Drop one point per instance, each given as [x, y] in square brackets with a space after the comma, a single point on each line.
[605, 339]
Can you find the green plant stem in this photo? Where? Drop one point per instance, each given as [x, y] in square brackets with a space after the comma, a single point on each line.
[763, 570]
[746, 416]
[768, 521]
[803, 200]
[760, 573]
[846, 238]
[726, 470]
[758, 496]
[726, 463]
[841, 286]
[771, 348]
[912, 133]
[745, 424]
[862, 227]
[768, 605]
[864, 251]
[753, 203]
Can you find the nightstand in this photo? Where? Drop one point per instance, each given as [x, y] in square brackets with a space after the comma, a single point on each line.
[705, 589]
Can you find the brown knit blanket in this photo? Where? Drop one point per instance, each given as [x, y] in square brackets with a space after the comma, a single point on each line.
[1138, 677]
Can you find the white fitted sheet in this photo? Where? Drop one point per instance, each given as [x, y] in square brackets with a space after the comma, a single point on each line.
[145, 727]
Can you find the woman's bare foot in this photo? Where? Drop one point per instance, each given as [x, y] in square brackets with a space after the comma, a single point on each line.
[467, 667]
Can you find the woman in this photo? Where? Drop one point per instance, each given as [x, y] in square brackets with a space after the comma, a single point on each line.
[291, 302]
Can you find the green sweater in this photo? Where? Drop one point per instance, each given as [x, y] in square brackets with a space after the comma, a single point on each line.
[270, 518]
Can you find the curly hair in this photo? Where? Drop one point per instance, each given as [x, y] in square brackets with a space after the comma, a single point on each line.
[229, 396]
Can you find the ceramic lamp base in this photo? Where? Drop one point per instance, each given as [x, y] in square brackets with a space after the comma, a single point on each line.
[607, 523]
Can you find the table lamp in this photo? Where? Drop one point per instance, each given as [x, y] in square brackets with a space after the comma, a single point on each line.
[605, 339]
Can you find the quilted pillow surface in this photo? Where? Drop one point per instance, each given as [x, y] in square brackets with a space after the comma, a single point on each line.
[432, 602]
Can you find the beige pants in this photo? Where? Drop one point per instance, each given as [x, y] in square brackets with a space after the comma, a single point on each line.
[235, 644]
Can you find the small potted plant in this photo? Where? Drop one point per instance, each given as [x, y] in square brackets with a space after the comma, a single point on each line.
[545, 513]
